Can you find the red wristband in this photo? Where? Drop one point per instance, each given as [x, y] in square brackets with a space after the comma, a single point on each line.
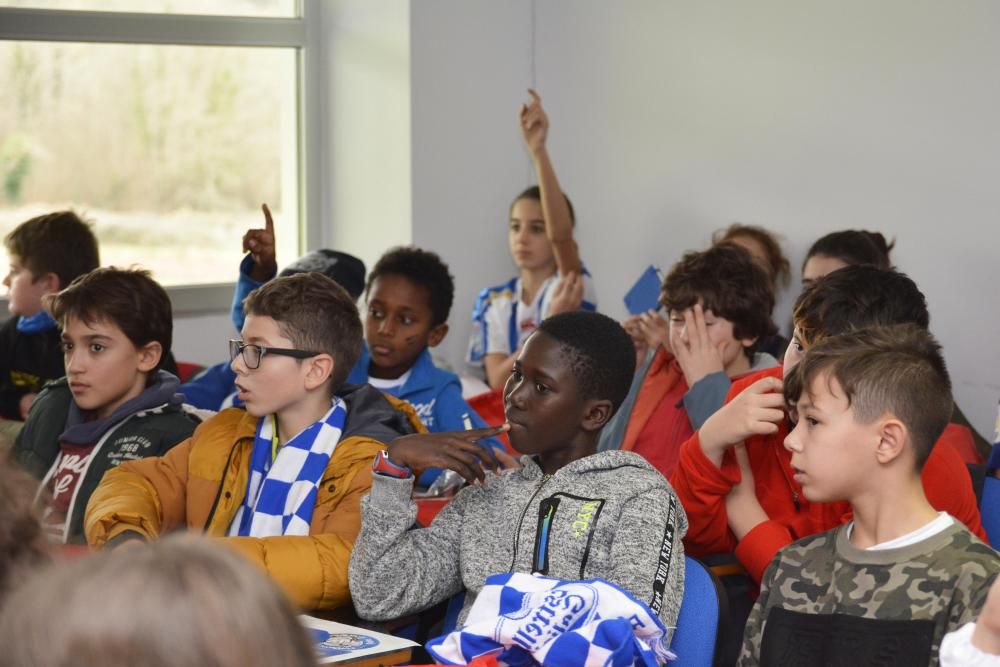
[383, 466]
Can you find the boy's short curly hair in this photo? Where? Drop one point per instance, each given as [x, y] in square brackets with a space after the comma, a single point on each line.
[600, 353]
[856, 297]
[726, 280]
[128, 298]
[421, 267]
[316, 314]
[60, 243]
[896, 370]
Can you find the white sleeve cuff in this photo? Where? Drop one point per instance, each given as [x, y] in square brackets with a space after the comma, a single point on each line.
[957, 650]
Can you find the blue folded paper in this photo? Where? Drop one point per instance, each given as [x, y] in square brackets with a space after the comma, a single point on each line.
[645, 293]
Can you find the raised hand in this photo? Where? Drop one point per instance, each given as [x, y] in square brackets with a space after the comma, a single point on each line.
[260, 244]
[632, 328]
[694, 350]
[567, 295]
[655, 329]
[534, 123]
[757, 410]
[455, 450]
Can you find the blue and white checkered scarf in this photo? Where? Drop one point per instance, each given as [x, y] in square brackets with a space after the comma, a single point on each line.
[525, 619]
[281, 495]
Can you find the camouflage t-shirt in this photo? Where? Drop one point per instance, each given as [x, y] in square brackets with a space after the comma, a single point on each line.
[825, 602]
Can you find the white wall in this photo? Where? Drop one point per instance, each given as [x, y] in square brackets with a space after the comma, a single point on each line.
[366, 141]
[201, 339]
[471, 67]
[672, 119]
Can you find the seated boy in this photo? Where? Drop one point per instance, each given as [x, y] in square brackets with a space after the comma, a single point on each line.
[567, 513]
[282, 480]
[755, 506]
[115, 403]
[214, 388]
[885, 587]
[409, 293]
[719, 304]
[45, 254]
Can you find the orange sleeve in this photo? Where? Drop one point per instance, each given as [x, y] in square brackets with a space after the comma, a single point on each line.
[147, 496]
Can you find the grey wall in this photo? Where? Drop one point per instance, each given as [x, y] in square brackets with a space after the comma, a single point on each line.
[670, 120]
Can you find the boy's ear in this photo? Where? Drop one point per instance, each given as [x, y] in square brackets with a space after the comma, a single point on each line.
[747, 342]
[51, 281]
[892, 443]
[596, 413]
[149, 356]
[320, 369]
[437, 334]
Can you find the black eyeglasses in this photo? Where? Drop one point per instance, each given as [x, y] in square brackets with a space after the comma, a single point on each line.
[252, 354]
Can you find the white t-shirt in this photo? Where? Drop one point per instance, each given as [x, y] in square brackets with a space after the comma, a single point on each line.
[386, 385]
[930, 529]
[502, 321]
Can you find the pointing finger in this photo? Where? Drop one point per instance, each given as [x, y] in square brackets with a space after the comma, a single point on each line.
[268, 221]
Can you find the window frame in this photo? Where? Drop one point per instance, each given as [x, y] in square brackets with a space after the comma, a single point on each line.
[300, 33]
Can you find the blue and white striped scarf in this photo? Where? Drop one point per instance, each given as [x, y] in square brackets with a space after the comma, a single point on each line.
[281, 495]
[525, 619]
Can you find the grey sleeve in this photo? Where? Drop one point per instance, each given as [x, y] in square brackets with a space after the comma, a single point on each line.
[706, 396]
[614, 431]
[395, 571]
[647, 553]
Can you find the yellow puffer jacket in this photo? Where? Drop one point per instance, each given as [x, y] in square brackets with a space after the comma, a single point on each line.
[200, 484]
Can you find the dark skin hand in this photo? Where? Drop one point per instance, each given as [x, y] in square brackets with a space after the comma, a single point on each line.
[455, 450]
[260, 244]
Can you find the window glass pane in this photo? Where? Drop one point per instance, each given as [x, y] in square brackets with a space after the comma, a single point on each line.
[267, 8]
[168, 150]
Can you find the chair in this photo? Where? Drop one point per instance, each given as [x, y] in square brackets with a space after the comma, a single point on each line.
[989, 510]
[697, 630]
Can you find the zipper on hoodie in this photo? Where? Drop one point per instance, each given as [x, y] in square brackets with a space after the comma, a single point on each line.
[546, 513]
[520, 521]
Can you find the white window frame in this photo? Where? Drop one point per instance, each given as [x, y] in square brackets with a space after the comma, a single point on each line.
[301, 33]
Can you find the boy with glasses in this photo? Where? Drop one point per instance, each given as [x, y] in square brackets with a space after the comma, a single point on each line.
[281, 481]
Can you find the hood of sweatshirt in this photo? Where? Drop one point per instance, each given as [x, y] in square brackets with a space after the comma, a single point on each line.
[161, 392]
[370, 414]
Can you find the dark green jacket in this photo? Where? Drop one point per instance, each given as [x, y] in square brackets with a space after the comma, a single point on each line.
[130, 434]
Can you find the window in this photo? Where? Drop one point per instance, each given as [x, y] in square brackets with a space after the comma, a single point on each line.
[167, 132]
[275, 8]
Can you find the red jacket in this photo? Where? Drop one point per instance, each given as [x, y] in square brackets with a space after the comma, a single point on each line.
[702, 489]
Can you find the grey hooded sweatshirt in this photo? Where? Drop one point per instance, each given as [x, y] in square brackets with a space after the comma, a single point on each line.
[609, 515]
